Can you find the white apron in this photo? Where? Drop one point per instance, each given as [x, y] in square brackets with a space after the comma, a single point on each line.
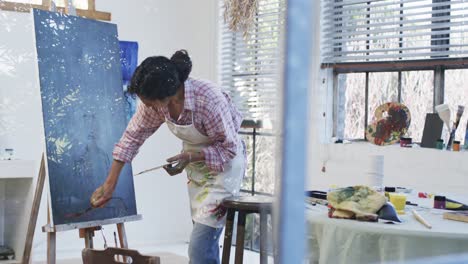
[207, 190]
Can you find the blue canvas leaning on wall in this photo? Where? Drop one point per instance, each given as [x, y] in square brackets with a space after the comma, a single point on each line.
[84, 115]
[129, 62]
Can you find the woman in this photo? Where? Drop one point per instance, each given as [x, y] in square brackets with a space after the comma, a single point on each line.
[213, 154]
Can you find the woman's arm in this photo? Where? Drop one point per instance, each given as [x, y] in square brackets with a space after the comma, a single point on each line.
[221, 128]
[222, 131]
[142, 125]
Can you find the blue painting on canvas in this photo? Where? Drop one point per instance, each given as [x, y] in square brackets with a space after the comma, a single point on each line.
[83, 107]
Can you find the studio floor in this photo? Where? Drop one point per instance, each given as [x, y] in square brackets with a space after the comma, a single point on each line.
[174, 254]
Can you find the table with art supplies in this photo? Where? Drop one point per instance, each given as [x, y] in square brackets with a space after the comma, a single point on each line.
[422, 232]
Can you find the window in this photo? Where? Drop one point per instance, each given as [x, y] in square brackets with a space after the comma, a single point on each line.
[250, 64]
[408, 51]
[249, 72]
[84, 8]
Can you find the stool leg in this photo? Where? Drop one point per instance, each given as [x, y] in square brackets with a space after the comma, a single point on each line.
[228, 236]
[263, 238]
[274, 241]
[240, 237]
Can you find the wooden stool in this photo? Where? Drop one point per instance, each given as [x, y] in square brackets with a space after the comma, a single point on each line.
[245, 205]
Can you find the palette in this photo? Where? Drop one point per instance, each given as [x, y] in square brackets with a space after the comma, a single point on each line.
[391, 121]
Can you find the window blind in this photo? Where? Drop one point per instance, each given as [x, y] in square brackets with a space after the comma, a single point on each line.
[249, 69]
[387, 30]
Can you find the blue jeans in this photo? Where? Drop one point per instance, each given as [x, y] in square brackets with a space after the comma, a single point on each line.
[204, 244]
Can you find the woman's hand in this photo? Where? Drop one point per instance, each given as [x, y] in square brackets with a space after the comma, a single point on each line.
[102, 195]
[182, 160]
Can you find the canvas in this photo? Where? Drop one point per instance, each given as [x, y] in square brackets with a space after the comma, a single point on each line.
[84, 115]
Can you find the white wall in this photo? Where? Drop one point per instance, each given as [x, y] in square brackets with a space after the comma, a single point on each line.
[20, 121]
[422, 169]
[160, 27]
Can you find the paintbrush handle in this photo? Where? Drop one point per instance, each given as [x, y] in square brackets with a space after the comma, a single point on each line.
[452, 136]
[155, 168]
[454, 130]
[421, 219]
[456, 123]
[152, 169]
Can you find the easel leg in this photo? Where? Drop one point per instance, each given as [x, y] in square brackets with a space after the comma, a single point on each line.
[263, 238]
[122, 238]
[88, 234]
[122, 235]
[34, 212]
[51, 247]
[89, 239]
[51, 240]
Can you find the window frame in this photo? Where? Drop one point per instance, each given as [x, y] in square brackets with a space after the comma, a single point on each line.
[438, 66]
[91, 12]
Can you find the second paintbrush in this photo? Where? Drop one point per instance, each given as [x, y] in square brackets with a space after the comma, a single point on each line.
[460, 111]
[155, 168]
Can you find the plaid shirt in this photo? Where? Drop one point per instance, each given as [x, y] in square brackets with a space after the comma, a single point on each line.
[214, 115]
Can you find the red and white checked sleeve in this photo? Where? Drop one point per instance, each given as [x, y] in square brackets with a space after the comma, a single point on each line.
[221, 127]
[142, 125]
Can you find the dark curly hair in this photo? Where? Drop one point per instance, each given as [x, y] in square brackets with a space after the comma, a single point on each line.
[158, 77]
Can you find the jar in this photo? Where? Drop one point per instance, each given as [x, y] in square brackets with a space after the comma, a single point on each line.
[389, 190]
[439, 202]
[406, 142]
[456, 146]
[9, 153]
[440, 144]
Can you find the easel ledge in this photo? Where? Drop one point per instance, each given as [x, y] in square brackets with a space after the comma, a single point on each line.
[58, 228]
[91, 12]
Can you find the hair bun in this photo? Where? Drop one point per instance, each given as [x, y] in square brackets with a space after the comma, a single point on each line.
[183, 64]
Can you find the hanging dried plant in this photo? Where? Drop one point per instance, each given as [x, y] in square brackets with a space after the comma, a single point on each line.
[239, 15]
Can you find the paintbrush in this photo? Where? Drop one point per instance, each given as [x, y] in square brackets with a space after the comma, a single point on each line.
[443, 111]
[421, 219]
[466, 136]
[155, 168]
[78, 214]
[460, 111]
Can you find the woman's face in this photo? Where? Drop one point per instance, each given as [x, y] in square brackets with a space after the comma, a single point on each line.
[155, 104]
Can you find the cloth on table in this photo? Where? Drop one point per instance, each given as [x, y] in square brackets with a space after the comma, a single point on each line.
[355, 202]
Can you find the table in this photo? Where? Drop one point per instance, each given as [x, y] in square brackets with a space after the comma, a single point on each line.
[349, 241]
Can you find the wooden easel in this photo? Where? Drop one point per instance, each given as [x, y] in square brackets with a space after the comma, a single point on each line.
[87, 229]
[91, 12]
[86, 232]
